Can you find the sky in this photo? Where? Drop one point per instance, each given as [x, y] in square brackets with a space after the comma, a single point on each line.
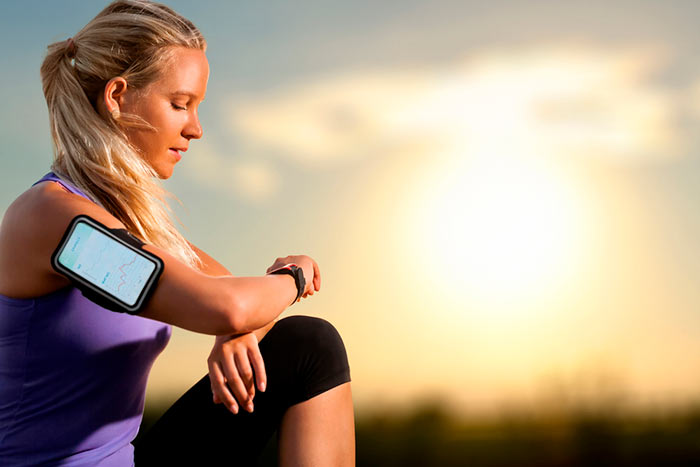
[501, 196]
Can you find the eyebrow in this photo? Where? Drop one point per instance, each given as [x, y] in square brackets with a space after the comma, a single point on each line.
[185, 93]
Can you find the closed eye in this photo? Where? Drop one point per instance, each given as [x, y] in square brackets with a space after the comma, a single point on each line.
[177, 107]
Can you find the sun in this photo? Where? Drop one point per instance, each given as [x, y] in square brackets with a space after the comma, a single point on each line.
[497, 230]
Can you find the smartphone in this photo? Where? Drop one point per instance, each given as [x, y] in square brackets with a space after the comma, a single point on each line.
[107, 263]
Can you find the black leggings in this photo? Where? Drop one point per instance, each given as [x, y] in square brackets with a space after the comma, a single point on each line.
[304, 356]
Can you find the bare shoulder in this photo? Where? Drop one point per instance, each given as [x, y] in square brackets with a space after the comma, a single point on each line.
[31, 229]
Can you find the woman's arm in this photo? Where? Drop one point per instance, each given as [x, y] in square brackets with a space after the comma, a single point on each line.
[228, 384]
[216, 305]
[184, 297]
[212, 267]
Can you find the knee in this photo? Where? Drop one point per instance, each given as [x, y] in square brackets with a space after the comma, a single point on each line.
[316, 335]
[319, 352]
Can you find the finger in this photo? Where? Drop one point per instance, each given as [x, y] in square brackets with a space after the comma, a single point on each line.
[317, 276]
[275, 264]
[234, 381]
[259, 365]
[246, 373]
[216, 379]
[219, 387]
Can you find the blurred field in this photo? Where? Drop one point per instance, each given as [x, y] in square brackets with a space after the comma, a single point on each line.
[602, 435]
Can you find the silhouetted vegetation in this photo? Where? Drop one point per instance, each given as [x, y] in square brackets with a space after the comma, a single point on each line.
[429, 435]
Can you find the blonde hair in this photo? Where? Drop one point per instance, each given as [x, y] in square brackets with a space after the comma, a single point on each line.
[132, 39]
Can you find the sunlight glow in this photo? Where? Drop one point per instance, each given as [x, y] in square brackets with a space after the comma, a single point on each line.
[499, 230]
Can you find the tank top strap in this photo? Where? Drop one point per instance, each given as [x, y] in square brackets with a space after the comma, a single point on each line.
[64, 181]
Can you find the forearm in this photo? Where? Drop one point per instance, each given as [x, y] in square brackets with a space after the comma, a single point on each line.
[259, 333]
[261, 299]
[268, 298]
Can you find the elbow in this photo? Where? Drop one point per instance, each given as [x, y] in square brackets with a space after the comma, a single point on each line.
[235, 320]
[228, 309]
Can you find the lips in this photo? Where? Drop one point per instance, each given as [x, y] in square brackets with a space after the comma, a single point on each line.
[175, 153]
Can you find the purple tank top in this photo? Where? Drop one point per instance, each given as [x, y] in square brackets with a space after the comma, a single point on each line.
[72, 377]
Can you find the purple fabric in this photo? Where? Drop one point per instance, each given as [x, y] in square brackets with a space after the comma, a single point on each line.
[72, 378]
[52, 177]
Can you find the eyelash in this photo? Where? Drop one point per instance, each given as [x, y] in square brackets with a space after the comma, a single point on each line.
[177, 107]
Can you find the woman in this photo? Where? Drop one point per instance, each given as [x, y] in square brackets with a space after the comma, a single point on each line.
[123, 96]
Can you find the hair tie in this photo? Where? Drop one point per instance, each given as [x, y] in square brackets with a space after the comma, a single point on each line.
[70, 48]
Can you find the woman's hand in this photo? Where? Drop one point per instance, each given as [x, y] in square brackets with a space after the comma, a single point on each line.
[235, 363]
[312, 275]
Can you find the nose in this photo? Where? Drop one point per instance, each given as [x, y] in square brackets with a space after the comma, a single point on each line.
[193, 129]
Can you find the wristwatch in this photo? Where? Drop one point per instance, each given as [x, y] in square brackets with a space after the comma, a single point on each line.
[297, 273]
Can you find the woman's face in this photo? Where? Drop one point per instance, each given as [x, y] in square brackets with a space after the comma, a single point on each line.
[169, 104]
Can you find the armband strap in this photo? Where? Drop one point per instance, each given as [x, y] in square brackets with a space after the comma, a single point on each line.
[128, 237]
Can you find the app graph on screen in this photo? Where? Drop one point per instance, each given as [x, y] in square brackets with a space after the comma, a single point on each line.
[106, 263]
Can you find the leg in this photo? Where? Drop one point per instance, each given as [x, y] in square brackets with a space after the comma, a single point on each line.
[319, 431]
[304, 359]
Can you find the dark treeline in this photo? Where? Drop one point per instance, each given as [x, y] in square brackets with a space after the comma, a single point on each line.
[429, 435]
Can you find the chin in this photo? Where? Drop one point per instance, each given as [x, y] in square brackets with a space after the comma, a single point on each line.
[164, 173]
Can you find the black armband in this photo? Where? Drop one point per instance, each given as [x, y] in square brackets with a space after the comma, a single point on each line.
[109, 266]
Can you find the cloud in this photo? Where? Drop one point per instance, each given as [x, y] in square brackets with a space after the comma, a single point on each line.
[336, 117]
[554, 101]
[252, 180]
[694, 101]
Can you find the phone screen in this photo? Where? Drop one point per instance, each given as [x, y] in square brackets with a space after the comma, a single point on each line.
[105, 263]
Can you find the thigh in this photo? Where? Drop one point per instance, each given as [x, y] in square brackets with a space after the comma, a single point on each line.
[195, 431]
[303, 357]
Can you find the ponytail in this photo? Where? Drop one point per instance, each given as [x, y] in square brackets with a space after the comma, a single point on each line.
[129, 38]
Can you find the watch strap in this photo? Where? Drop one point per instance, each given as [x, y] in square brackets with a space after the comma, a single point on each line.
[297, 273]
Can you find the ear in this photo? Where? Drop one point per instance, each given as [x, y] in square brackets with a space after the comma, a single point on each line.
[113, 97]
